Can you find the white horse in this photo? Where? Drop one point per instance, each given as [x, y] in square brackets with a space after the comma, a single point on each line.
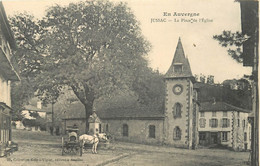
[92, 139]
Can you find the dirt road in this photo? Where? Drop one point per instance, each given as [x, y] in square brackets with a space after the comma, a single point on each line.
[39, 148]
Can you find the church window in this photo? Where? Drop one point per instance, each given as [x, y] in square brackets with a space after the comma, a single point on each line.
[151, 131]
[202, 122]
[177, 110]
[177, 133]
[178, 68]
[125, 130]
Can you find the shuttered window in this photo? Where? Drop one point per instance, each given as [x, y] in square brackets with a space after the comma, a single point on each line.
[202, 122]
[213, 123]
[225, 122]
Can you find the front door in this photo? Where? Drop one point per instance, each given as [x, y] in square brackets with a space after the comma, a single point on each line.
[213, 138]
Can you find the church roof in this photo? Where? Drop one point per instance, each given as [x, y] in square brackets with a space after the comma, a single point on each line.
[76, 110]
[129, 113]
[181, 60]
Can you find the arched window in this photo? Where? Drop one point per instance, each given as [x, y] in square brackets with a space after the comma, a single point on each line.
[177, 110]
[177, 133]
[125, 130]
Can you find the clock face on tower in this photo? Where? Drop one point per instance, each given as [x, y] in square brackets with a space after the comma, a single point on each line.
[177, 89]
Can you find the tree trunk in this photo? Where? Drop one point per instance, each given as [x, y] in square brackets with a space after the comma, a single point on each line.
[88, 111]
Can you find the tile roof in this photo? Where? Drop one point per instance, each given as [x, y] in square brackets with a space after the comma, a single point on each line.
[220, 106]
[77, 110]
[129, 113]
[32, 106]
[179, 59]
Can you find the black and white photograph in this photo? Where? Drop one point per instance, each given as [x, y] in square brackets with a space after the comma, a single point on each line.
[129, 82]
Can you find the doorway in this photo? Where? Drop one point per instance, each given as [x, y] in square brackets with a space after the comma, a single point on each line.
[213, 138]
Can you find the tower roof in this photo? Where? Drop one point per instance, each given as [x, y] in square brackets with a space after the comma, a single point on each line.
[180, 66]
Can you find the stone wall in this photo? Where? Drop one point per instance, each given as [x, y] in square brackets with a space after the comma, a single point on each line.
[138, 130]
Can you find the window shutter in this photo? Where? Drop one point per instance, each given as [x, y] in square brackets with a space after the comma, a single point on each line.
[201, 122]
[216, 122]
[204, 122]
[221, 123]
[210, 123]
[228, 123]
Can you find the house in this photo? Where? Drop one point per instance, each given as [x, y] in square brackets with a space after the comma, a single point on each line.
[34, 111]
[224, 124]
[35, 106]
[7, 75]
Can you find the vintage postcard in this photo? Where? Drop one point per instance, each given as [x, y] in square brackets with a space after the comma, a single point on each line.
[129, 82]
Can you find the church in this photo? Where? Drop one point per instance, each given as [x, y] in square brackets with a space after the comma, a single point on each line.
[176, 125]
[184, 122]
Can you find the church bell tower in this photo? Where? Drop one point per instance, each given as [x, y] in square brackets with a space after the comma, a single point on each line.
[178, 101]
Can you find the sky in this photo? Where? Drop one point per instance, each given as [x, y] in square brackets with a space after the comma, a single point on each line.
[162, 30]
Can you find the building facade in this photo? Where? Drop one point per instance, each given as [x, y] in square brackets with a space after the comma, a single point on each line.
[7, 75]
[223, 124]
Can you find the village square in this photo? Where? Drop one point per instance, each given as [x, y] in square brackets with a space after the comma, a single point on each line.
[78, 86]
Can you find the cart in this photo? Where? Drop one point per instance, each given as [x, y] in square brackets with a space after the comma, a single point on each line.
[71, 145]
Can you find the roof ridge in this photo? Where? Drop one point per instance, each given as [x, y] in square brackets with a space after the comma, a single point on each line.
[242, 109]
